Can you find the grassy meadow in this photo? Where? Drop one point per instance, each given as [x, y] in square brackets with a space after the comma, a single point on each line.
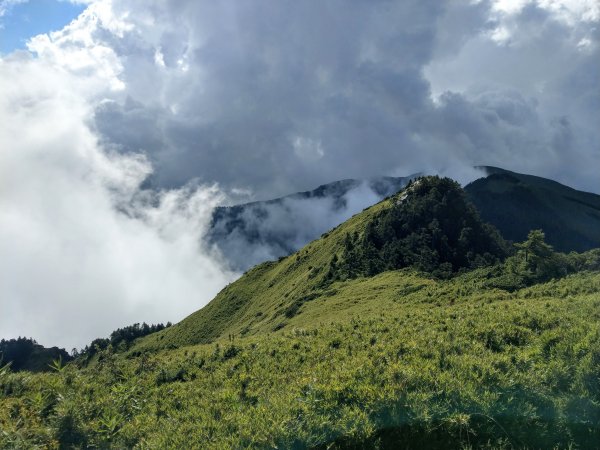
[337, 347]
[436, 364]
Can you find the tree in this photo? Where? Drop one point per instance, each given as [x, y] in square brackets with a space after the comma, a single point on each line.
[431, 226]
[536, 260]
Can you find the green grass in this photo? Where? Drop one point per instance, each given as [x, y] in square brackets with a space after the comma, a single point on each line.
[286, 358]
[431, 364]
[300, 288]
[257, 302]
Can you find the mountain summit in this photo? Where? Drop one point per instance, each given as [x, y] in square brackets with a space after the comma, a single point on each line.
[516, 203]
[430, 226]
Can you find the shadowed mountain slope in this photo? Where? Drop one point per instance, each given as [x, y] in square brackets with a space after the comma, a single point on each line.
[516, 203]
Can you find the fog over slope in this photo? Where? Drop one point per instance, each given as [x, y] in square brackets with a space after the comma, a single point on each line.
[251, 233]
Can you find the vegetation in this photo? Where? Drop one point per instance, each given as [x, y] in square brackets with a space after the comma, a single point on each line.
[431, 227]
[120, 339]
[515, 204]
[445, 364]
[536, 262]
[493, 355]
[26, 354]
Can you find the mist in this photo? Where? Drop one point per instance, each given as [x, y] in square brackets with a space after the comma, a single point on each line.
[83, 248]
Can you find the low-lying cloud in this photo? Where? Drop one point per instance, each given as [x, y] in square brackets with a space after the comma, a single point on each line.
[83, 249]
[253, 233]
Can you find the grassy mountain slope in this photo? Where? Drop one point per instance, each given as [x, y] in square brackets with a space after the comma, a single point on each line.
[418, 222]
[517, 203]
[296, 355]
[258, 301]
[429, 364]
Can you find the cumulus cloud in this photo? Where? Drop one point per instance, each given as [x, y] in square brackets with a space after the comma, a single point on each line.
[282, 97]
[83, 249]
[525, 89]
[114, 129]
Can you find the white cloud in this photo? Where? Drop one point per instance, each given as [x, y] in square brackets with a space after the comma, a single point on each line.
[258, 98]
[81, 49]
[82, 249]
[6, 5]
[308, 149]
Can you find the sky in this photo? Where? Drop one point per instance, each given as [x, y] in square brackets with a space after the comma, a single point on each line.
[21, 20]
[124, 123]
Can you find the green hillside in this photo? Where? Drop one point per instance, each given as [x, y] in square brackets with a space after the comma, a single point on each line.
[430, 223]
[516, 203]
[459, 343]
[259, 300]
[428, 364]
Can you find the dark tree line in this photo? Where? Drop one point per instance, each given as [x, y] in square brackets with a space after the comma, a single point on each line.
[120, 339]
[535, 261]
[432, 227]
[26, 354]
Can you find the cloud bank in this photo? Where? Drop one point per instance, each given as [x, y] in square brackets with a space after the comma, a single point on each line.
[116, 130]
[83, 248]
[277, 98]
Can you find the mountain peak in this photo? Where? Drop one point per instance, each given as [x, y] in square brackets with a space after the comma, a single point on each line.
[431, 226]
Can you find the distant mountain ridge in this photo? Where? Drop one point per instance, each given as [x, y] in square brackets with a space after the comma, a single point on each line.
[514, 203]
[517, 203]
[251, 233]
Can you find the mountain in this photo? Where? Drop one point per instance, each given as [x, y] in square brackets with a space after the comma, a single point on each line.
[516, 203]
[251, 233]
[410, 325]
[430, 226]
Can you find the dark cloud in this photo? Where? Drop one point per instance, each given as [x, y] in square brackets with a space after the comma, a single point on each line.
[346, 82]
[118, 126]
[226, 92]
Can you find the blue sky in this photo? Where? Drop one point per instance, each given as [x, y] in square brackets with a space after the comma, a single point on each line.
[24, 20]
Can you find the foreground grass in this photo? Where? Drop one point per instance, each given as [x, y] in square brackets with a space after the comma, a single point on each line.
[394, 361]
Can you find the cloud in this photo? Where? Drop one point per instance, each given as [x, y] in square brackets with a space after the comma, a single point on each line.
[271, 99]
[83, 249]
[281, 98]
[524, 92]
[252, 233]
[116, 129]
[6, 5]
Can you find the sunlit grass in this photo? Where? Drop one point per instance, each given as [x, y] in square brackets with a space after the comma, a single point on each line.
[447, 363]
